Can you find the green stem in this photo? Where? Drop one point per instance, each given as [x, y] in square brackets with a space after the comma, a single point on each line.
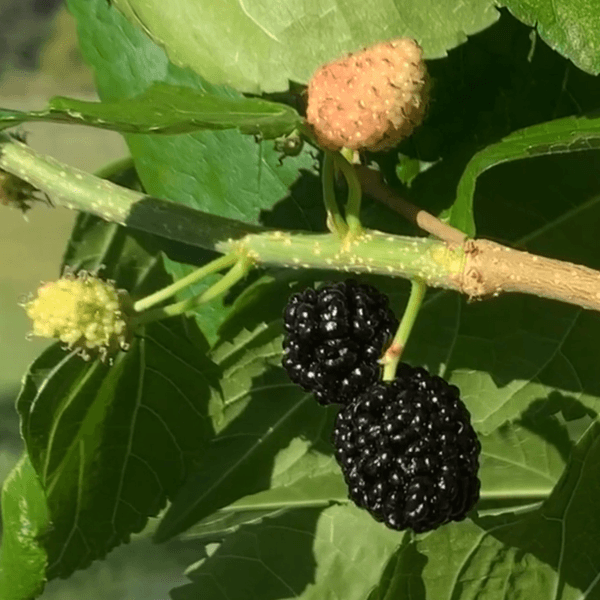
[435, 262]
[394, 353]
[238, 271]
[75, 189]
[354, 194]
[212, 267]
[335, 221]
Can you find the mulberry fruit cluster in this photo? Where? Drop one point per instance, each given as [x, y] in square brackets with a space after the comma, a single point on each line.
[370, 100]
[334, 339]
[408, 452]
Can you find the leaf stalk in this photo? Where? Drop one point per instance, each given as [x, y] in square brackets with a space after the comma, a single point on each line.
[212, 267]
[239, 270]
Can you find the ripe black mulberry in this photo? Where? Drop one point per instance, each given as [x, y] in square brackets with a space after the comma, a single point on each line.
[408, 452]
[334, 339]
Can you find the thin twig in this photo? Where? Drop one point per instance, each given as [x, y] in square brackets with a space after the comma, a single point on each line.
[373, 185]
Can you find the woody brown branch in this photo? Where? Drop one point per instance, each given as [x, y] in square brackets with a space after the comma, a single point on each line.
[492, 269]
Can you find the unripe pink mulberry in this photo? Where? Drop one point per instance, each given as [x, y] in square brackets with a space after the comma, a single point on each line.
[369, 100]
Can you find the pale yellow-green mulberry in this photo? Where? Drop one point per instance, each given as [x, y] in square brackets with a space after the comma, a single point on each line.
[82, 311]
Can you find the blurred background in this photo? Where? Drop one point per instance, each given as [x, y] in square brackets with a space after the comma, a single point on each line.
[39, 58]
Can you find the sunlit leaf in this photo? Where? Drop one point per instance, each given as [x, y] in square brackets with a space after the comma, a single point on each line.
[167, 109]
[261, 44]
[25, 519]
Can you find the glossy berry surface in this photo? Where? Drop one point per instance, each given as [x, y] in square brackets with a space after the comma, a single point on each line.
[334, 339]
[408, 452]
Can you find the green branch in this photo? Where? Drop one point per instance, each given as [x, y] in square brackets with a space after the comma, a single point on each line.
[477, 268]
[75, 189]
[373, 252]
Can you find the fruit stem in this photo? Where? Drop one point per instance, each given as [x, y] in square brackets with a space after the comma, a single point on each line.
[394, 352]
[335, 221]
[212, 267]
[238, 271]
[354, 194]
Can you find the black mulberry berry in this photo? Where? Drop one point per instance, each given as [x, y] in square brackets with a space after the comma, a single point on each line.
[408, 452]
[334, 339]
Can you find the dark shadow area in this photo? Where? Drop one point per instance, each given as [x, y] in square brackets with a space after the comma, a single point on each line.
[251, 564]
[503, 79]
[403, 575]
[548, 205]
[551, 418]
[301, 208]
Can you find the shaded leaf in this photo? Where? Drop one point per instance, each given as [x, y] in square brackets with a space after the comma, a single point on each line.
[270, 433]
[522, 461]
[564, 533]
[339, 552]
[555, 137]
[402, 576]
[513, 351]
[261, 44]
[224, 522]
[25, 518]
[261, 414]
[549, 553]
[306, 491]
[112, 442]
[167, 109]
[531, 84]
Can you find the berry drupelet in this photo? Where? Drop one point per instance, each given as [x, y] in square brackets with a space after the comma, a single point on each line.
[408, 452]
[334, 339]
